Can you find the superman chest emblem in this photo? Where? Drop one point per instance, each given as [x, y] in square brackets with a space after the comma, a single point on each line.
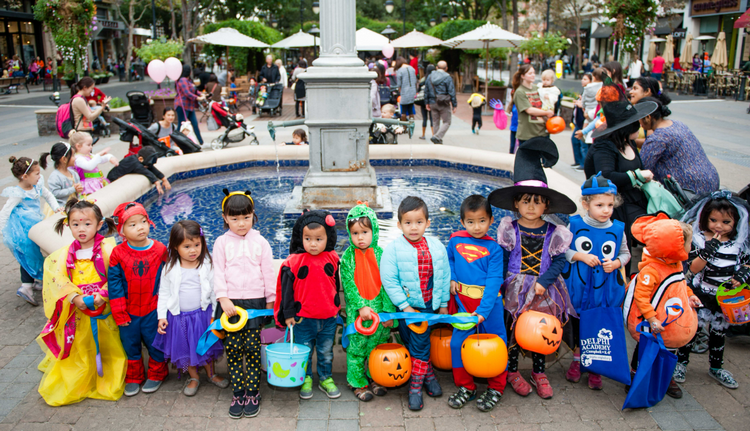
[471, 252]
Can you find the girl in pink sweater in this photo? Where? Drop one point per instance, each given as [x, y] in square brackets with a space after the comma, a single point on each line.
[243, 277]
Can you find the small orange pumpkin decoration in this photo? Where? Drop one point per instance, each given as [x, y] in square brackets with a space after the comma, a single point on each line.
[484, 355]
[538, 332]
[390, 365]
[440, 348]
[555, 125]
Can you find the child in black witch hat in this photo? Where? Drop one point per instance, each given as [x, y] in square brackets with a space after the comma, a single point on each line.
[536, 252]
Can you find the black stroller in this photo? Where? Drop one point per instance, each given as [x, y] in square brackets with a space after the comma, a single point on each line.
[272, 103]
[140, 108]
[129, 131]
[236, 129]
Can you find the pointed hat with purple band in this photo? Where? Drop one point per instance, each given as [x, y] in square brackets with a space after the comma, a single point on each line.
[528, 176]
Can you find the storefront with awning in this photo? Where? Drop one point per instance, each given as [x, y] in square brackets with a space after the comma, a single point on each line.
[711, 17]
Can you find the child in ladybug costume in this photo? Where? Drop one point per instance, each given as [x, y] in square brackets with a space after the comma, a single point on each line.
[307, 294]
[134, 275]
[364, 293]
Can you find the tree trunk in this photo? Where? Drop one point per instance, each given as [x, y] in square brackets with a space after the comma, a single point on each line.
[514, 55]
[187, 17]
[129, 45]
[579, 54]
[504, 12]
[174, 22]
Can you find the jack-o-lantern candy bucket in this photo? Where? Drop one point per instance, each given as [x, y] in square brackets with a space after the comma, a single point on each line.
[440, 348]
[390, 365]
[484, 355]
[538, 332]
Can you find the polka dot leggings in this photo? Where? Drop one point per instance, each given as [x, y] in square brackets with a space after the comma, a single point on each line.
[244, 343]
[538, 360]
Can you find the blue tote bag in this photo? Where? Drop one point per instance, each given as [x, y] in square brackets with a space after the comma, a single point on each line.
[655, 367]
[603, 347]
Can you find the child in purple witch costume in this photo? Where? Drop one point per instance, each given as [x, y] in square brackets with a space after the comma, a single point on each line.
[534, 252]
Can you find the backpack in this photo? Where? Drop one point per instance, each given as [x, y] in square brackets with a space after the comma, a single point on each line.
[64, 119]
[385, 94]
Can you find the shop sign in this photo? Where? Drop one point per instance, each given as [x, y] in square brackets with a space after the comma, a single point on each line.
[679, 33]
[112, 25]
[713, 7]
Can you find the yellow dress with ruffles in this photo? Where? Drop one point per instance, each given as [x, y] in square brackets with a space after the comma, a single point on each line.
[74, 378]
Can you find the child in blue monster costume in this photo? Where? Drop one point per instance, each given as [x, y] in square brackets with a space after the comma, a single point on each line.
[598, 251]
[476, 262]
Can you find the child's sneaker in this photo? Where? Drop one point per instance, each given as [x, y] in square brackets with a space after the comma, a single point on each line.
[252, 406]
[724, 377]
[574, 372]
[329, 388]
[488, 400]
[38, 285]
[432, 387]
[151, 386]
[131, 389]
[541, 383]
[679, 373]
[595, 382]
[237, 406]
[519, 385]
[460, 398]
[674, 390]
[306, 391]
[26, 293]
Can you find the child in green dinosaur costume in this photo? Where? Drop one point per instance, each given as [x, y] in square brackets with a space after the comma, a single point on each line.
[360, 274]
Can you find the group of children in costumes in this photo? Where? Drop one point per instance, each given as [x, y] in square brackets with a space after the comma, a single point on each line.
[104, 301]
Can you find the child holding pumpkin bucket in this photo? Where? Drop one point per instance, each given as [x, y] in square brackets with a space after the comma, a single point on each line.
[360, 276]
[416, 275]
[599, 249]
[476, 276]
[535, 251]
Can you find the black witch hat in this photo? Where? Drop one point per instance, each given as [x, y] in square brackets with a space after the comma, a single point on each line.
[528, 175]
[617, 109]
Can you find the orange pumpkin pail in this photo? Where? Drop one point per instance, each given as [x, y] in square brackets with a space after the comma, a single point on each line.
[538, 332]
[440, 348]
[390, 365]
[555, 125]
[484, 355]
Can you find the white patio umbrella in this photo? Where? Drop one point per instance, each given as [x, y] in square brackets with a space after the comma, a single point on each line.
[487, 36]
[719, 57]
[686, 57]
[297, 40]
[228, 37]
[416, 39]
[368, 40]
[669, 52]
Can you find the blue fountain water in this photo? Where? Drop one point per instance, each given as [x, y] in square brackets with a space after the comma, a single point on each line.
[200, 199]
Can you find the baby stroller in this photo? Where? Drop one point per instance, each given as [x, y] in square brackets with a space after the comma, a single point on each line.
[128, 131]
[271, 104]
[236, 129]
[140, 108]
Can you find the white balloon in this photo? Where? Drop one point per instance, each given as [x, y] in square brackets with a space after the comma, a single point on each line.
[388, 51]
[174, 68]
[157, 71]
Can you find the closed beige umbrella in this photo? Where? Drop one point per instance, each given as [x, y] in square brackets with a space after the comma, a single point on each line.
[651, 53]
[719, 57]
[669, 52]
[686, 56]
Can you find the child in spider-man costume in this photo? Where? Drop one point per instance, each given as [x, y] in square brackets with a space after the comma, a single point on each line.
[134, 274]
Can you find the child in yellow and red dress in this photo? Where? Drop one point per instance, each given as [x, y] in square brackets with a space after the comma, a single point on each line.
[134, 276]
[85, 358]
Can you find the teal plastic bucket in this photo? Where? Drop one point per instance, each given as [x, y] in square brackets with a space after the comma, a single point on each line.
[287, 362]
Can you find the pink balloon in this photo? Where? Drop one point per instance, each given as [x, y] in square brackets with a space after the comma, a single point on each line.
[173, 67]
[157, 71]
[388, 51]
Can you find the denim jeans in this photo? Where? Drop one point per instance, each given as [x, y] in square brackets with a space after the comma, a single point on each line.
[418, 344]
[318, 334]
[26, 277]
[193, 120]
[577, 144]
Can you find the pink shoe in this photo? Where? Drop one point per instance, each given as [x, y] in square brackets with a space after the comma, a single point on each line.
[519, 385]
[574, 372]
[595, 381]
[541, 383]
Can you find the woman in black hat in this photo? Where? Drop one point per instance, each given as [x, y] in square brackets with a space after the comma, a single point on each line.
[615, 155]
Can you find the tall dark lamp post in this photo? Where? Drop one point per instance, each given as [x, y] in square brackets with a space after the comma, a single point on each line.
[389, 6]
[153, 20]
[546, 29]
[315, 9]
[315, 31]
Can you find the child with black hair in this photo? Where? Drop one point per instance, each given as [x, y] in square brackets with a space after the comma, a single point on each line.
[299, 137]
[415, 273]
[186, 304]
[720, 253]
[476, 101]
[143, 164]
[21, 211]
[64, 181]
[308, 295]
[476, 262]
[535, 252]
[91, 362]
[243, 277]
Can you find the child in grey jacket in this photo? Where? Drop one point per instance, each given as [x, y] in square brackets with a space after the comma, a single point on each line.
[64, 181]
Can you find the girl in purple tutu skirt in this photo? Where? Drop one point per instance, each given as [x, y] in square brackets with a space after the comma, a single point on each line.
[186, 304]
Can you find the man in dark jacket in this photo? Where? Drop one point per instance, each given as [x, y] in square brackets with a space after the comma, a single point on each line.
[269, 73]
[439, 95]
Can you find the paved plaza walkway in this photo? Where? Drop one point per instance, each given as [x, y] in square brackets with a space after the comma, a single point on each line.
[705, 406]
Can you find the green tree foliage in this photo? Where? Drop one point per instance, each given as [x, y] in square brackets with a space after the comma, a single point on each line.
[158, 50]
[630, 20]
[240, 57]
[451, 29]
[548, 44]
[71, 23]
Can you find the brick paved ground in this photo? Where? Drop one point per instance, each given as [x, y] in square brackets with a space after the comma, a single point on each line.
[705, 406]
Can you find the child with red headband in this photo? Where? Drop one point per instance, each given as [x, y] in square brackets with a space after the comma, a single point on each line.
[134, 274]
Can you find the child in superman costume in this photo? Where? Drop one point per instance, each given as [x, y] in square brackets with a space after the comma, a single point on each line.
[364, 293]
[134, 275]
[476, 262]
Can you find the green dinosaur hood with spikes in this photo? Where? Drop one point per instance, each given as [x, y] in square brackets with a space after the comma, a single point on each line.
[360, 211]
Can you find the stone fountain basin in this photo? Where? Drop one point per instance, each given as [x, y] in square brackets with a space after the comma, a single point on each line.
[132, 187]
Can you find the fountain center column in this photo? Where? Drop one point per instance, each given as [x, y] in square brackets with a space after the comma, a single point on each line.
[338, 115]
